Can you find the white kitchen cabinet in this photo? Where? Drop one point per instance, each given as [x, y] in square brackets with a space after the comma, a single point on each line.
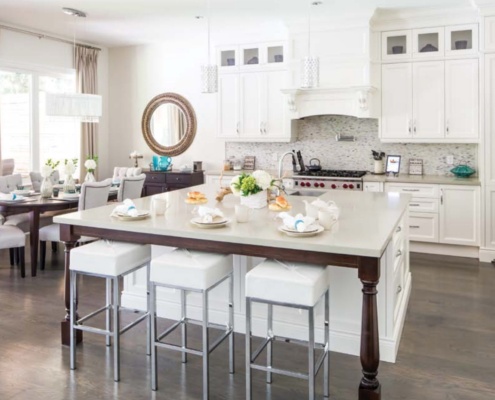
[423, 227]
[228, 106]
[274, 112]
[251, 104]
[396, 101]
[459, 215]
[428, 100]
[251, 57]
[489, 29]
[372, 186]
[396, 45]
[461, 99]
[428, 42]
[461, 40]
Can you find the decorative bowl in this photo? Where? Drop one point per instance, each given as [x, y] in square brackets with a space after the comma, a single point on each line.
[461, 44]
[463, 171]
[397, 49]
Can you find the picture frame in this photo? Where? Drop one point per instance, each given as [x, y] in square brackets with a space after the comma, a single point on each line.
[393, 165]
[415, 166]
[249, 163]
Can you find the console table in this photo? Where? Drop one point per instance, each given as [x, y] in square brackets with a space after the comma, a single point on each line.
[166, 181]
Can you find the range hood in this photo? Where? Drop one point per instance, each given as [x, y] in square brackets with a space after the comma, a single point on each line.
[356, 101]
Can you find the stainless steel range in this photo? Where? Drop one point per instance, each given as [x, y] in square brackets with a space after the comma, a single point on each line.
[326, 179]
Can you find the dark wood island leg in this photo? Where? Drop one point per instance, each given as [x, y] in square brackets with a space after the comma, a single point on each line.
[34, 226]
[369, 274]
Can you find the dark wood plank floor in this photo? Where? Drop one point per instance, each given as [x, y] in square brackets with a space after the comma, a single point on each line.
[447, 349]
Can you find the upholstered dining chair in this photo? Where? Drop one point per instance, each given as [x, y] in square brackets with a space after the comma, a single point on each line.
[36, 179]
[14, 239]
[131, 187]
[7, 166]
[93, 194]
[122, 172]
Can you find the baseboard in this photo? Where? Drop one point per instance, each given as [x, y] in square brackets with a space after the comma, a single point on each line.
[340, 341]
[487, 255]
[445, 249]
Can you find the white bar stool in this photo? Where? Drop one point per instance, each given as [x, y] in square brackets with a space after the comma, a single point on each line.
[191, 271]
[295, 285]
[109, 260]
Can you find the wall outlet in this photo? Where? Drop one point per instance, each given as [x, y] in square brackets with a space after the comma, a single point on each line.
[450, 159]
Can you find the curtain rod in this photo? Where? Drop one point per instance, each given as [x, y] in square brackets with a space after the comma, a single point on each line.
[42, 36]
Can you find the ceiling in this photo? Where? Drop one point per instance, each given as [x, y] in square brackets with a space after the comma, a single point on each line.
[114, 23]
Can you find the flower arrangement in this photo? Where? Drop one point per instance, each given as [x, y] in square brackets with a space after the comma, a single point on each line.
[70, 166]
[46, 171]
[91, 163]
[246, 185]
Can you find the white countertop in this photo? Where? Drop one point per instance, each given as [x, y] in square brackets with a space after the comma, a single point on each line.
[366, 223]
[430, 179]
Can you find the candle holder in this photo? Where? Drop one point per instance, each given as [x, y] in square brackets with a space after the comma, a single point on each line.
[135, 156]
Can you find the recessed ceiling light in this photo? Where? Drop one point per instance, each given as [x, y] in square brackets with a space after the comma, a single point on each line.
[74, 12]
[199, 17]
[316, 3]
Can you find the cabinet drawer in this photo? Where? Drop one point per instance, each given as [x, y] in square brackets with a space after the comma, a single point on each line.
[398, 253]
[399, 232]
[154, 177]
[398, 290]
[424, 205]
[423, 227]
[184, 179]
[417, 190]
[372, 186]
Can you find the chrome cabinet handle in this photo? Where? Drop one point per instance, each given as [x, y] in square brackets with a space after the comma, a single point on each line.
[414, 226]
[410, 190]
[441, 196]
[414, 205]
[409, 127]
[399, 228]
[238, 127]
[264, 128]
[447, 127]
[398, 254]
[399, 289]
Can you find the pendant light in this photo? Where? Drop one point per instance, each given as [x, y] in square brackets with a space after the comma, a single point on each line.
[209, 72]
[310, 68]
[82, 106]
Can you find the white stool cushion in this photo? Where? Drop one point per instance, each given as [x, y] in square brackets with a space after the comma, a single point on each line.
[11, 236]
[109, 258]
[51, 233]
[190, 269]
[287, 282]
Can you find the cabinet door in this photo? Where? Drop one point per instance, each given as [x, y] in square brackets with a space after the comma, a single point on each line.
[459, 215]
[273, 116]
[428, 42]
[489, 28]
[428, 100]
[461, 40]
[396, 45]
[396, 101]
[372, 187]
[251, 88]
[461, 99]
[228, 105]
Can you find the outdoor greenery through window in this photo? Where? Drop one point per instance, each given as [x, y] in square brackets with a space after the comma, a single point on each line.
[27, 135]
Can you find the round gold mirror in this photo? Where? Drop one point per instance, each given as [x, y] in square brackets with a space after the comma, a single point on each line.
[169, 124]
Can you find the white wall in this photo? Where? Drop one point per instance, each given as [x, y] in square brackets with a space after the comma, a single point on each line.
[18, 50]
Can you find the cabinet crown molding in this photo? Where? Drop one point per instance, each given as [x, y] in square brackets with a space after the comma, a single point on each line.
[356, 101]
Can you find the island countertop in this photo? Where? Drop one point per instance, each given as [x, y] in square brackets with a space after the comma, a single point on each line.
[365, 226]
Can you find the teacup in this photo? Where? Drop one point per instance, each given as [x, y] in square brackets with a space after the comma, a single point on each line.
[20, 187]
[327, 217]
[158, 205]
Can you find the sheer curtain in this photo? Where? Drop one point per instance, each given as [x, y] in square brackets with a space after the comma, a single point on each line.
[86, 60]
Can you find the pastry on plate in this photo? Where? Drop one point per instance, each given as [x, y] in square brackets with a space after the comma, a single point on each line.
[195, 197]
[280, 204]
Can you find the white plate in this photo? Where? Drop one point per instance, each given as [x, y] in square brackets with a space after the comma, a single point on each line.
[198, 221]
[22, 192]
[293, 233]
[18, 198]
[141, 214]
[69, 195]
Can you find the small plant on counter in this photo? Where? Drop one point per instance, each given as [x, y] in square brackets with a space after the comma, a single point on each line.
[246, 185]
[378, 155]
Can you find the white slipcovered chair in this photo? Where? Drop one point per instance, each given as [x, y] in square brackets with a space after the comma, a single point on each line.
[14, 239]
[7, 166]
[93, 194]
[131, 187]
[122, 172]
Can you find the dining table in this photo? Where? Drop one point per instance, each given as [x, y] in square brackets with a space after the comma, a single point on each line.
[366, 229]
[35, 205]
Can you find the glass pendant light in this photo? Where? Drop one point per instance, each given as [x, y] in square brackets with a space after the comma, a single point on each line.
[310, 68]
[82, 106]
[209, 72]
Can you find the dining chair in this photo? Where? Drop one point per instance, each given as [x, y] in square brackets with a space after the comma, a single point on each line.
[122, 172]
[7, 167]
[14, 239]
[36, 179]
[93, 194]
[131, 187]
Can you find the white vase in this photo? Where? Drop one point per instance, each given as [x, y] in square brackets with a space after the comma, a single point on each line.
[378, 166]
[89, 177]
[46, 188]
[258, 200]
[69, 184]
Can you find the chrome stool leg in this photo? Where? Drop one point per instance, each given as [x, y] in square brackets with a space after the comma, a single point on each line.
[311, 353]
[269, 348]
[206, 350]
[326, 362]
[231, 324]
[183, 307]
[73, 297]
[116, 330]
[108, 314]
[153, 336]
[248, 350]
[148, 323]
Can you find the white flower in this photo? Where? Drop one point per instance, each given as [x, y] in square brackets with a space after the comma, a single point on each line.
[234, 185]
[90, 165]
[46, 171]
[263, 179]
[69, 168]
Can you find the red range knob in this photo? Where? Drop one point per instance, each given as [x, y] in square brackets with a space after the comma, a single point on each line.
[322, 185]
[344, 185]
[308, 184]
[334, 186]
[303, 184]
[351, 186]
[317, 184]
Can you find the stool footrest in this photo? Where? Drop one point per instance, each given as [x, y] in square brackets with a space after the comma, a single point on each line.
[280, 371]
[179, 348]
[90, 315]
[320, 360]
[260, 348]
[220, 340]
[92, 329]
[134, 323]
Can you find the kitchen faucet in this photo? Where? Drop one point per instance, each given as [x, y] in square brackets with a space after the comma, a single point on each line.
[282, 160]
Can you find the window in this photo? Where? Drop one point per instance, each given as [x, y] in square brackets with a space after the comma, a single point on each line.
[26, 134]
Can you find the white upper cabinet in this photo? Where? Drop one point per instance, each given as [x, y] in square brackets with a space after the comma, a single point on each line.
[461, 40]
[461, 99]
[489, 29]
[428, 100]
[251, 57]
[396, 45]
[396, 121]
[428, 42]
[251, 91]
[274, 112]
[228, 105]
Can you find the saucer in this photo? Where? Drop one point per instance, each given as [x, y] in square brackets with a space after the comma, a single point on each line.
[198, 221]
[141, 214]
[292, 232]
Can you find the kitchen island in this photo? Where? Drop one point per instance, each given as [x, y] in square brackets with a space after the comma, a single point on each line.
[368, 245]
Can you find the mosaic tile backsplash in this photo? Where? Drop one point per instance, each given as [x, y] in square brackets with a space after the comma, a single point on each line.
[316, 139]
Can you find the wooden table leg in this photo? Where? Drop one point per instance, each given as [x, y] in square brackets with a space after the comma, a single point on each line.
[65, 324]
[34, 226]
[369, 274]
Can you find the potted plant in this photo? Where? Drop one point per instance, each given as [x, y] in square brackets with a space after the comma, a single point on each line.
[90, 165]
[252, 189]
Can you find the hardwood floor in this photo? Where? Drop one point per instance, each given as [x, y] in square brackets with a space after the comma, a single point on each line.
[447, 349]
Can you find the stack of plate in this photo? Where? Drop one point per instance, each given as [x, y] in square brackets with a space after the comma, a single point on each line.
[311, 231]
[216, 223]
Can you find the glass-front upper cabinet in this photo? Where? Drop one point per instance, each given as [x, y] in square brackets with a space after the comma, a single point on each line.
[428, 42]
[228, 58]
[396, 45]
[461, 39]
[251, 56]
[274, 53]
